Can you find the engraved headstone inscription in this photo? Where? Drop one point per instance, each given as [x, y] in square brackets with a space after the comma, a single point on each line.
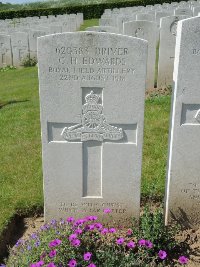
[92, 110]
[182, 200]
[20, 47]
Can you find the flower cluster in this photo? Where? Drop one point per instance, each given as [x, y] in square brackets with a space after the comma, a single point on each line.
[86, 242]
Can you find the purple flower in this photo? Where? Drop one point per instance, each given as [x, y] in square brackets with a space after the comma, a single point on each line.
[19, 242]
[91, 227]
[62, 222]
[32, 265]
[54, 243]
[120, 241]
[107, 210]
[72, 263]
[131, 244]
[104, 231]
[34, 236]
[78, 231]
[28, 248]
[72, 237]
[129, 232]
[39, 263]
[70, 219]
[52, 253]
[76, 242]
[80, 222]
[98, 226]
[183, 260]
[87, 256]
[91, 218]
[51, 264]
[112, 230]
[53, 222]
[2, 265]
[91, 265]
[162, 254]
[37, 244]
[148, 244]
[142, 242]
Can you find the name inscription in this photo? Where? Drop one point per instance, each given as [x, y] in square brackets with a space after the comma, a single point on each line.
[92, 64]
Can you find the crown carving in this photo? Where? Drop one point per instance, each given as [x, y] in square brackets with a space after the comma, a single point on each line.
[91, 98]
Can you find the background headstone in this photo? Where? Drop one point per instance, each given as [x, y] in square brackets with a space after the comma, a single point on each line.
[5, 51]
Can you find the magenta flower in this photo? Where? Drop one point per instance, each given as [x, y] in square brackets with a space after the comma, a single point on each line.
[72, 263]
[99, 226]
[148, 244]
[104, 231]
[70, 219]
[112, 230]
[87, 256]
[76, 242]
[107, 210]
[80, 222]
[55, 243]
[183, 260]
[52, 253]
[129, 232]
[51, 264]
[142, 242]
[131, 244]
[39, 263]
[72, 237]
[31, 265]
[91, 227]
[78, 231]
[162, 254]
[120, 241]
[91, 265]
[91, 218]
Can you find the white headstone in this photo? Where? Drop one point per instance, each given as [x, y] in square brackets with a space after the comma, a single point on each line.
[183, 176]
[167, 50]
[5, 51]
[20, 47]
[102, 29]
[33, 35]
[146, 30]
[92, 110]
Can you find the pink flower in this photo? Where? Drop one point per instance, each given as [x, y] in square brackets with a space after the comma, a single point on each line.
[39, 263]
[70, 219]
[104, 231]
[76, 242]
[87, 256]
[91, 218]
[91, 265]
[120, 241]
[112, 230]
[98, 226]
[55, 243]
[72, 237]
[183, 260]
[91, 227]
[129, 232]
[72, 263]
[52, 253]
[148, 244]
[142, 242]
[107, 210]
[51, 264]
[131, 244]
[78, 231]
[162, 254]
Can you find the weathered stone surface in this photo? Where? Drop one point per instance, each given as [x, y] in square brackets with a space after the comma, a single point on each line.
[92, 110]
[167, 50]
[5, 51]
[103, 29]
[33, 35]
[146, 30]
[20, 47]
[183, 176]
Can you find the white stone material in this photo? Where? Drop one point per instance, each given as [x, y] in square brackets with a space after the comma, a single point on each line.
[33, 35]
[103, 29]
[182, 198]
[167, 50]
[146, 16]
[20, 47]
[92, 89]
[146, 30]
[5, 51]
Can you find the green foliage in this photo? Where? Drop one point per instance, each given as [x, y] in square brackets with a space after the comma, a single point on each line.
[7, 68]
[29, 62]
[89, 10]
[63, 241]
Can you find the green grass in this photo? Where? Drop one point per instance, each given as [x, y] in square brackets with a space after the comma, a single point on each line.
[89, 23]
[20, 144]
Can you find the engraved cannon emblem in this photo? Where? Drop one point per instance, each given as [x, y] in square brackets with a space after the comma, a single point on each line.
[93, 123]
